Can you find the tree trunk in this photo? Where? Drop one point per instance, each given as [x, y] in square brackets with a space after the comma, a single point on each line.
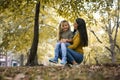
[112, 48]
[32, 59]
[112, 42]
[21, 59]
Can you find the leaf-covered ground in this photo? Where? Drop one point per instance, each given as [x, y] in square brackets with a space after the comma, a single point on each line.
[81, 72]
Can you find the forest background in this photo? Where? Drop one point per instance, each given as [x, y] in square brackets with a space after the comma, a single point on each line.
[101, 16]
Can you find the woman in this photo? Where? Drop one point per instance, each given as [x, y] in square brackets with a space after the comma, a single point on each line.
[75, 50]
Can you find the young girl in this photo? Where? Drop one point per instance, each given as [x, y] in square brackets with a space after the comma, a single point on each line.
[65, 38]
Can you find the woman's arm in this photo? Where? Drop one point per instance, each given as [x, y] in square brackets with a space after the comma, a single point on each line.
[76, 42]
[68, 40]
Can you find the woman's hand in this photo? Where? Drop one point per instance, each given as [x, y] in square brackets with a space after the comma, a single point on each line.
[63, 40]
[68, 40]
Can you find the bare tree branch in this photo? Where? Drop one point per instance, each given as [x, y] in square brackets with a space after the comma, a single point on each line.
[113, 28]
[109, 31]
[116, 31]
[101, 41]
[108, 48]
[117, 47]
[96, 36]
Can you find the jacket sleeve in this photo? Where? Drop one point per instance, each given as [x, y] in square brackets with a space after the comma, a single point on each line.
[76, 42]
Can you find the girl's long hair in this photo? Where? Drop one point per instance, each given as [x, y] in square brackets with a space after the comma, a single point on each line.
[82, 31]
[60, 30]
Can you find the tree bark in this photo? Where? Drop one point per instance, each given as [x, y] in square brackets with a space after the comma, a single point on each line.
[111, 41]
[32, 59]
[21, 59]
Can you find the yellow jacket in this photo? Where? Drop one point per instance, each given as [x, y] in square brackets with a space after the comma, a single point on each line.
[76, 44]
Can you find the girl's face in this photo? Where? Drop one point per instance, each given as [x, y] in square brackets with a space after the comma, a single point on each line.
[75, 25]
[65, 26]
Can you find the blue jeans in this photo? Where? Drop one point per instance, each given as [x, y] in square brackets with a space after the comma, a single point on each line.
[73, 56]
[61, 47]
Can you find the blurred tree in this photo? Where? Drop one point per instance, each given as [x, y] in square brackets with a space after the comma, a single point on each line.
[111, 27]
[32, 59]
[10, 36]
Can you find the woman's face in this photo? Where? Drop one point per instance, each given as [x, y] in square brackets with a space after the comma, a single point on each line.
[75, 25]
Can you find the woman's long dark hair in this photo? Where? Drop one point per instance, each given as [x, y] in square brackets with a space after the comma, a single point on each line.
[82, 31]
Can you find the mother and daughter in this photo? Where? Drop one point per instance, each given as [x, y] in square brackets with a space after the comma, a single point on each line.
[69, 47]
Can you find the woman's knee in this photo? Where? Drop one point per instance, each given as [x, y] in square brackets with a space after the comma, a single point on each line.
[80, 59]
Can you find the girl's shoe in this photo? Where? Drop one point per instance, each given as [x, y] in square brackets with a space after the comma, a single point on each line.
[63, 62]
[53, 60]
